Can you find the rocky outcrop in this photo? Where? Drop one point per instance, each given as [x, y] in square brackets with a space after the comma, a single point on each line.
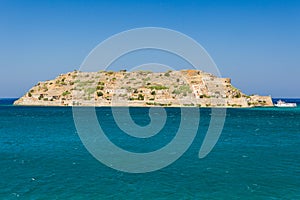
[140, 88]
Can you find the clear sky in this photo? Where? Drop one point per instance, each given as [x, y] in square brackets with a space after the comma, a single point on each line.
[256, 43]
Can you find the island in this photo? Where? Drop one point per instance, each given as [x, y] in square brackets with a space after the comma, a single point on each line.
[185, 88]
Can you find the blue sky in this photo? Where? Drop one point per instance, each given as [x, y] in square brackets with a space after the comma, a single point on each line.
[256, 43]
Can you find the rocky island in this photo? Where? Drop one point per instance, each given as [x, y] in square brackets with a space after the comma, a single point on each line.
[140, 88]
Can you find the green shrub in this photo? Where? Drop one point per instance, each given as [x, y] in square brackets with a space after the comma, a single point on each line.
[45, 88]
[158, 87]
[99, 94]
[204, 96]
[185, 88]
[66, 93]
[85, 83]
[100, 87]
[140, 97]
[238, 95]
[176, 91]
[90, 91]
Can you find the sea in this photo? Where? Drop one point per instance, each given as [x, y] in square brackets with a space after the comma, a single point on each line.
[256, 157]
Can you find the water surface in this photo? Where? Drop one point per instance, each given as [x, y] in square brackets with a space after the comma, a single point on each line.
[256, 157]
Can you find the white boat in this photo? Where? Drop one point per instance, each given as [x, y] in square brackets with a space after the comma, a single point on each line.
[284, 104]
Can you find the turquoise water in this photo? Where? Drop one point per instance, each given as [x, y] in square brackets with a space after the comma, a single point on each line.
[256, 157]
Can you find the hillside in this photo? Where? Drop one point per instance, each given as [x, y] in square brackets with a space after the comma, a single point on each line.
[140, 88]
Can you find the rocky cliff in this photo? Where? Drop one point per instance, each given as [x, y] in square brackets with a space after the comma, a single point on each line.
[140, 88]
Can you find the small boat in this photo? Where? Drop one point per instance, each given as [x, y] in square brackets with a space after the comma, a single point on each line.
[284, 104]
